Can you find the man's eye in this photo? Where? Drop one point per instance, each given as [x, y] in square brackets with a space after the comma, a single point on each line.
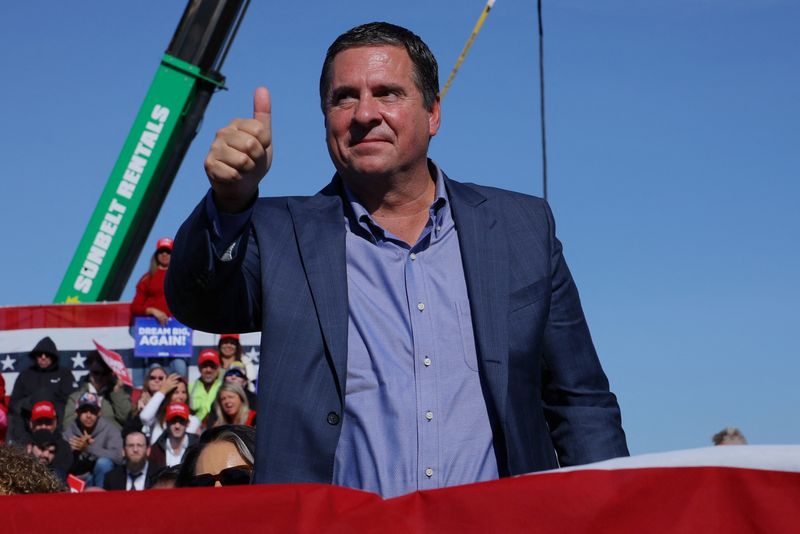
[343, 100]
[389, 95]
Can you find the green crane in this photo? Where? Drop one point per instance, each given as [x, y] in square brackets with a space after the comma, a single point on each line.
[161, 134]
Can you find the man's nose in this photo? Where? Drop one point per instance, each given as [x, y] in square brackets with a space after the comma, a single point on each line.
[367, 111]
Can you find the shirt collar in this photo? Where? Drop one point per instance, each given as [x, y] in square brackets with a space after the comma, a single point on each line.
[359, 217]
[142, 471]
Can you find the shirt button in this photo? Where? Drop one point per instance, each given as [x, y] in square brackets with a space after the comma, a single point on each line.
[333, 418]
[427, 362]
[412, 256]
[420, 306]
[429, 415]
[429, 472]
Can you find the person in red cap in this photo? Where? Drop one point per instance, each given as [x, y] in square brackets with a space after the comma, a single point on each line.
[149, 300]
[44, 417]
[172, 445]
[154, 415]
[230, 350]
[203, 391]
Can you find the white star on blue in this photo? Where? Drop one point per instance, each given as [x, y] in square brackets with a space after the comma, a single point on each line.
[8, 363]
[253, 354]
[77, 361]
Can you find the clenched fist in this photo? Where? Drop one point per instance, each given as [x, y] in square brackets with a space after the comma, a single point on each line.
[240, 156]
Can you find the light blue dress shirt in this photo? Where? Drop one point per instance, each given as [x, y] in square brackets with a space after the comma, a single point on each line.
[414, 416]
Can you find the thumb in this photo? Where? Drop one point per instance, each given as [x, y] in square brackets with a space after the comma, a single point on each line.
[262, 106]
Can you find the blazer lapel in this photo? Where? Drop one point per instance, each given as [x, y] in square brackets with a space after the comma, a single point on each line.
[319, 227]
[484, 253]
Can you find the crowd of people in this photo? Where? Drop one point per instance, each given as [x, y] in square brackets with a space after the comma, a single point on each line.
[116, 437]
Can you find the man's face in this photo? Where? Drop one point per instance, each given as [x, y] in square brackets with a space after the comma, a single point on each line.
[88, 418]
[44, 423]
[208, 372]
[177, 427]
[45, 454]
[375, 120]
[135, 447]
[43, 361]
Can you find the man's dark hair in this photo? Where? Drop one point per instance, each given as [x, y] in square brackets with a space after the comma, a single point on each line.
[165, 474]
[426, 70]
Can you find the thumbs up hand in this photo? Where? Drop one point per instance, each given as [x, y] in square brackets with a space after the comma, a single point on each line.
[241, 155]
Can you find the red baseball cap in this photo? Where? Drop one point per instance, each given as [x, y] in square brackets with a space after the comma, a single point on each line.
[208, 355]
[228, 336]
[177, 409]
[43, 410]
[164, 242]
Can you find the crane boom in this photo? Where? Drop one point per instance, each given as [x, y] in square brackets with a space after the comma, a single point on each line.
[162, 131]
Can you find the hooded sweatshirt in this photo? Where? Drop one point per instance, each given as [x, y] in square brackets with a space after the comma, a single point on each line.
[107, 443]
[36, 384]
[115, 405]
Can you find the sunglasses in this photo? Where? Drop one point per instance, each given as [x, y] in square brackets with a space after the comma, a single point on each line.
[240, 475]
[156, 378]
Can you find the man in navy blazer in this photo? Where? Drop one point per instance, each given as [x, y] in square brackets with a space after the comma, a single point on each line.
[417, 332]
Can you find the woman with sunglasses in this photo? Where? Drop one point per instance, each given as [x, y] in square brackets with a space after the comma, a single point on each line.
[149, 299]
[224, 456]
[153, 415]
[153, 380]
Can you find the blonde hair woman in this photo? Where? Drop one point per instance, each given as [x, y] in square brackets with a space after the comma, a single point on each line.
[231, 407]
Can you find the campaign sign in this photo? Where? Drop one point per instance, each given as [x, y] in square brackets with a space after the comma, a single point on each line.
[151, 339]
[75, 484]
[116, 363]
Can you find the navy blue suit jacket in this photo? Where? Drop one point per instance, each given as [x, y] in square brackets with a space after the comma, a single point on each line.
[548, 399]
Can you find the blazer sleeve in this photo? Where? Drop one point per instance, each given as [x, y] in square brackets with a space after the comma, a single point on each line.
[209, 289]
[582, 413]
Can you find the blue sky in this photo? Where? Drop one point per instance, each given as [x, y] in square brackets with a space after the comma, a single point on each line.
[673, 135]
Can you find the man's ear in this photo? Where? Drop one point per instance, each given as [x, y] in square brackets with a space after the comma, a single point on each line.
[435, 118]
[29, 448]
[148, 452]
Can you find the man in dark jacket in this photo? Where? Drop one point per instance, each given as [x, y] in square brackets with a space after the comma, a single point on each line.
[137, 473]
[171, 446]
[43, 447]
[44, 417]
[44, 380]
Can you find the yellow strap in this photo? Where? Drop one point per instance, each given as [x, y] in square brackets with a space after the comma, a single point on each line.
[467, 46]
